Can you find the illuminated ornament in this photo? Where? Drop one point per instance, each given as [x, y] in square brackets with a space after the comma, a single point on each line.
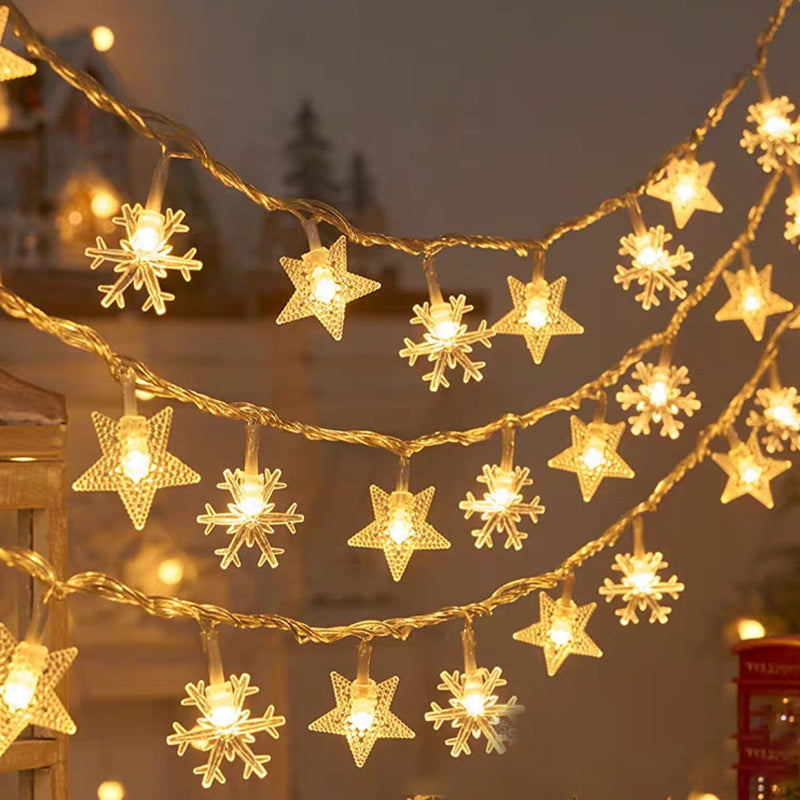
[593, 453]
[135, 462]
[102, 38]
[658, 398]
[322, 284]
[474, 710]
[144, 256]
[560, 631]
[29, 674]
[653, 267]
[685, 187]
[225, 729]
[776, 135]
[748, 470]
[792, 231]
[11, 65]
[502, 506]
[751, 300]
[251, 517]
[641, 588]
[780, 420]
[447, 342]
[400, 525]
[362, 713]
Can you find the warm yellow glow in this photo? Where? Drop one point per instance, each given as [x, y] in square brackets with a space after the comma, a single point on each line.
[776, 125]
[74, 217]
[751, 300]
[24, 672]
[362, 706]
[446, 330]
[110, 790]
[135, 459]
[474, 703]
[750, 629]
[785, 415]
[146, 239]
[685, 190]
[252, 499]
[170, 571]
[103, 41]
[22, 458]
[643, 581]
[560, 631]
[324, 286]
[593, 454]
[702, 796]
[224, 712]
[648, 256]
[104, 204]
[536, 310]
[399, 525]
[750, 472]
[659, 393]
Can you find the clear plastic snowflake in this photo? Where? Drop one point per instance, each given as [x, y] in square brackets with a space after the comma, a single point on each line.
[658, 398]
[775, 135]
[144, 256]
[447, 342]
[225, 730]
[779, 422]
[792, 231]
[653, 266]
[251, 517]
[502, 506]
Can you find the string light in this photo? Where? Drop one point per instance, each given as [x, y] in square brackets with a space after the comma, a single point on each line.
[11, 65]
[776, 135]
[502, 506]
[792, 230]
[779, 422]
[685, 187]
[362, 713]
[474, 709]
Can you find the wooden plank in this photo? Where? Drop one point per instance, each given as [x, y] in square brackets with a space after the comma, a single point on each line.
[30, 754]
[29, 485]
[41, 443]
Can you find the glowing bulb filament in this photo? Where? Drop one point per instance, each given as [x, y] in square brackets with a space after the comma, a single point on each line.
[750, 472]
[594, 453]
[363, 701]
[784, 415]
[685, 190]
[751, 300]
[776, 125]
[252, 488]
[648, 256]
[659, 393]
[134, 448]
[223, 712]
[537, 301]
[399, 526]
[149, 233]
[445, 327]
[24, 671]
[325, 287]
[474, 698]
[642, 580]
[502, 496]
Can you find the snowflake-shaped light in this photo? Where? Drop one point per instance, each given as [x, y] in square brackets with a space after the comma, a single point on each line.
[658, 398]
[779, 422]
[144, 256]
[792, 231]
[653, 266]
[775, 135]
[251, 517]
[224, 730]
[29, 674]
[685, 187]
[11, 65]
[447, 341]
[135, 462]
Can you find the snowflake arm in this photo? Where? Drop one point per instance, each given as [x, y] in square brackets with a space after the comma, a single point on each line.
[776, 135]
[779, 422]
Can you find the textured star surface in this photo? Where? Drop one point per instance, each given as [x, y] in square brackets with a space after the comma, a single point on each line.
[45, 709]
[752, 299]
[779, 422]
[572, 459]
[579, 642]
[106, 474]
[250, 529]
[502, 506]
[776, 135]
[641, 587]
[653, 267]
[557, 322]
[11, 65]
[749, 471]
[488, 723]
[685, 187]
[385, 725]
[376, 535]
[143, 269]
[228, 742]
[450, 351]
[303, 302]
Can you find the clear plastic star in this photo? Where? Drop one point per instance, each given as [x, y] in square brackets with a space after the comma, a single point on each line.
[474, 709]
[779, 422]
[250, 518]
[144, 256]
[641, 587]
[11, 65]
[537, 314]
[344, 721]
[225, 738]
[749, 471]
[323, 286]
[502, 506]
[658, 398]
[792, 231]
[751, 300]
[593, 454]
[44, 707]
[653, 267]
[107, 474]
[775, 135]
[447, 342]
[685, 187]
[567, 637]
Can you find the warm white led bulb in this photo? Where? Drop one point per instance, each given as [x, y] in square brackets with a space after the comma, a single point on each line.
[783, 414]
[648, 256]
[223, 712]
[594, 453]
[149, 232]
[135, 459]
[751, 300]
[776, 125]
[399, 525]
[659, 393]
[324, 286]
[642, 581]
[252, 502]
[24, 671]
[170, 571]
[685, 190]
[750, 472]
[561, 631]
[474, 703]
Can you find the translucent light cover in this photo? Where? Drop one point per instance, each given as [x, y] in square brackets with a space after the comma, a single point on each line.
[144, 256]
[11, 65]
[685, 187]
[323, 287]
[29, 674]
[251, 516]
[779, 422]
[777, 136]
[108, 473]
[225, 728]
[446, 342]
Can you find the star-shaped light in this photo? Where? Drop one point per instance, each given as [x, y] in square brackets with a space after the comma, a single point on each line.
[776, 135]
[685, 187]
[593, 454]
[779, 422]
[400, 527]
[560, 631]
[251, 517]
[29, 674]
[792, 231]
[749, 471]
[537, 314]
[751, 300]
[447, 342]
[135, 462]
[323, 286]
[144, 256]
[225, 730]
[11, 65]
